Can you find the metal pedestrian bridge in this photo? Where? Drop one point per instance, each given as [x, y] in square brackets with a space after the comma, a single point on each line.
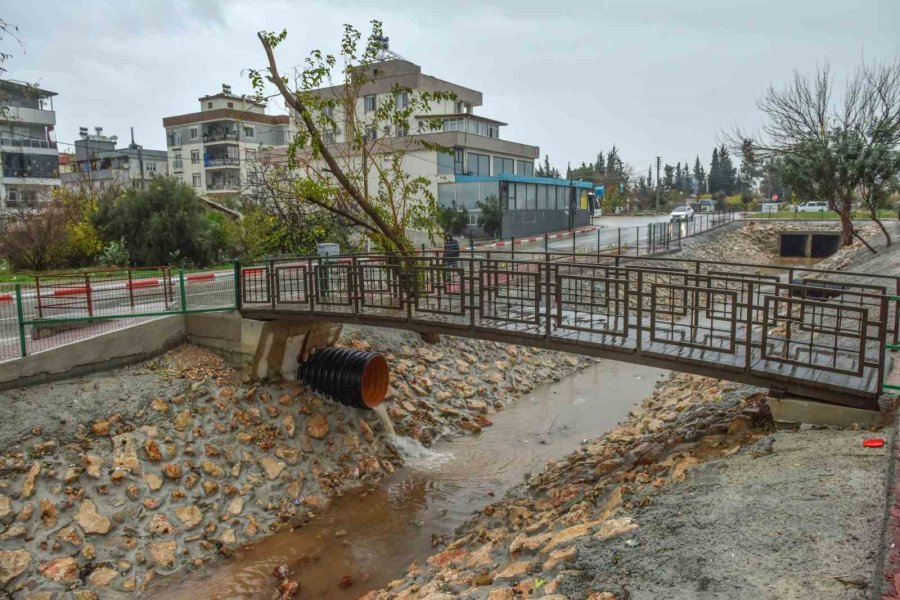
[796, 330]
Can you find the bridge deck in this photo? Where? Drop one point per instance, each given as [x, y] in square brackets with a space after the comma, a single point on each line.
[741, 322]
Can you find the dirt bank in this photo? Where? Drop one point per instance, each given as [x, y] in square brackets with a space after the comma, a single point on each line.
[172, 463]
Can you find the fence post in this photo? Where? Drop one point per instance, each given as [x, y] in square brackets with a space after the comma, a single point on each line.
[183, 292]
[20, 316]
[88, 297]
[512, 247]
[619, 242]
[546, 244]
[637, 241]
[237, 284]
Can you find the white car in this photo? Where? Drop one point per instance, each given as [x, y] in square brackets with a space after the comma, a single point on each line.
[682, 213]
[818, 206]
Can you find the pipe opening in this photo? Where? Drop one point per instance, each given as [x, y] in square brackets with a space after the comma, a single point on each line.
[352, 377]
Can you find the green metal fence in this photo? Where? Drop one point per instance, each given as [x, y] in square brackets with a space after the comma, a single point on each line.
[61, 308]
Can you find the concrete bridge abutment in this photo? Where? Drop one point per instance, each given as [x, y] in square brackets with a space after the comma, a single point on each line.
[261, 349]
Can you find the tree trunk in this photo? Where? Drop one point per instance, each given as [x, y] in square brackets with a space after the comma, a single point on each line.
[884, 230]
[845, 213]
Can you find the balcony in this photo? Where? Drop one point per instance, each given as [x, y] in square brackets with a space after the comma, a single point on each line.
[225, 162]
[26, 143]
[220, 136]
[223, 186]
[19, 114]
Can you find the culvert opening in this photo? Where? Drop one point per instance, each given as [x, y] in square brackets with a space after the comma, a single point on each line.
[808, 245]
[352, 377]
[793, 245]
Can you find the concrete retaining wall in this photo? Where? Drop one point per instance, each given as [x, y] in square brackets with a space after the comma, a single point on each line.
[104, 351]
[261, 349]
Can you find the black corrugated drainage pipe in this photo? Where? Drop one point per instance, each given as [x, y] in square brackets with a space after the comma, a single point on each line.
[352, 377]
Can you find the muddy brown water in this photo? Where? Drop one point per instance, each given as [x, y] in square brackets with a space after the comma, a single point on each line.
[373, 535]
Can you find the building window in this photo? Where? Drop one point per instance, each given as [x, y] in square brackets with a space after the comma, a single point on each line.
[458, 157]
[195, 156]
[151, 168]
[195, 133]
[369, 103]
[479, 164]
[209, 105]
[503, 165]
[328, 137]
[248, 132]
[525, 168]
[460, 106]
[445, 163]
[196, 180]
[494, 131]
[371, 133]
[328, 111]
[174, 137]
[231, 105]
[177, 164]
[250, 154]
[401, 99]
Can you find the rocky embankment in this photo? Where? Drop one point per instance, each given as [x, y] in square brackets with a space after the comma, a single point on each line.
[184, 478]
[524, 545]
[757, 242]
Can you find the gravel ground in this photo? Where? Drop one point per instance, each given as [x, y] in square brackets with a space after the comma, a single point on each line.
[797, 515]
[56, 407]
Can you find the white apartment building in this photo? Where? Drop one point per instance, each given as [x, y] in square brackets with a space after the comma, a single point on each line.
[29, 169]
[482, 166]
[98, 165]
[210, 150]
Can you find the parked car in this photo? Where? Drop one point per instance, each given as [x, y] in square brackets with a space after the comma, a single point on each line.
[682, 213]
[818, 206]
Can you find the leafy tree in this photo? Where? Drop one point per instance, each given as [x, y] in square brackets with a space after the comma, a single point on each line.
[162, 224]
[600, 165]
[699, 176]
[727, 171]
[490, 219]
[668, 177]
[453, 221]
[715, 174]
[650, 177]
[362, 181]
[545, 170]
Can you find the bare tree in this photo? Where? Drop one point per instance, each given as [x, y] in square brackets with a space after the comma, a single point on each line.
[35, 236]
[827, 147]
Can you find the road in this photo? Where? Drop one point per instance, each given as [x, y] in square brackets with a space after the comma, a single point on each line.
[609, 234]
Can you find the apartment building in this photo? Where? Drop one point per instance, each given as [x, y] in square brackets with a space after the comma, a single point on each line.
[98, 165]
[481, 166]
[212, 150]
[29, 169]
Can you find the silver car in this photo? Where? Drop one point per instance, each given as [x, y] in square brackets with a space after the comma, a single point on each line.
[682, 213]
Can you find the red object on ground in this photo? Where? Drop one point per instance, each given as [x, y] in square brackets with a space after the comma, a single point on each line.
[142, 283]
[70, 291]
[201, 276]
[255, 270]
[873, 443]
[5, 298]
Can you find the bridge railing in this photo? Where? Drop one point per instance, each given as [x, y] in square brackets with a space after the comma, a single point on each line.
[736, 317]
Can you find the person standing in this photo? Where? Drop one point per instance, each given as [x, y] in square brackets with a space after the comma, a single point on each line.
[451, 256]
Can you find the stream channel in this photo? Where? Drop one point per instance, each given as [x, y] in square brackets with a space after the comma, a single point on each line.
[373, 535]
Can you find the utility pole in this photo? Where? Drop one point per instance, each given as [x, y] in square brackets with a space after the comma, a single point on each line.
[658, 159]
[140, 153]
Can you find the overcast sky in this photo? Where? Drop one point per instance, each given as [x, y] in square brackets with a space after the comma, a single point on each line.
[654, 77]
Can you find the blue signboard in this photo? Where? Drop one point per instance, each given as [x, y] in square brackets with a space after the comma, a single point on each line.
[600, 191]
